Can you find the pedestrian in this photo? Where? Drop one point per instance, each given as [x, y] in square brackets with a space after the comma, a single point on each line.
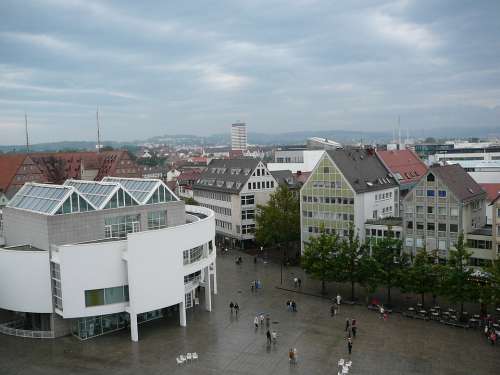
[291, 356]
[354, 327]
[274, 336]
[382, 311]
[486, 330]
[262, 319]
[347, 324]
[255, 259]
[300, 282]
[252, 286]
[236, 308]
[268, 320]
[288, 304]
[339, 298]
[294, 306]
[256, 322]
[231, 305]
[493, 337]
[349, 345]
[268, 335]
[332, 311]
[296, 281]
[295, 355]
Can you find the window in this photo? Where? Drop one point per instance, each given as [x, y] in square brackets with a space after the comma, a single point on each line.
[258, 172]
[409, 241]
[375, 214]
[442, 193]
[442, 211]
[250, 214]
[442, 245]
[118, 227]
[326, 170]
[430, 193]
[454, 228]
[106, 296]
[431, 226]
[430, 209]
[498, 212]
[272, 184]
[420, 209]
[267, 184]
[442, 227]
[249, 186]
[94, 297]
[454, 212]
[247, 200]
[157, 220]
[419, 192]
[409, 224]
[419, 242]
[258, 185]
[430, 177]
[254, 186]
[420, 225]
[247, 229]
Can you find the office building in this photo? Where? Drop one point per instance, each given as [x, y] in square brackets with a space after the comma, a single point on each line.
[346, 188]
[239, 136]
[89, 258]
[233, 188]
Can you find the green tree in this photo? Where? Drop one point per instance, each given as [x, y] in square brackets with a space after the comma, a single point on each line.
[320, 260]
[278, 222]
[391, 262]
[457, 284]
[350, 257]
[491, 289]
[424, 275]
[190, 201]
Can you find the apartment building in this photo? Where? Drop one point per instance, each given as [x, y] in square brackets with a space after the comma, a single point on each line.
[445, 202]
[239, 136]
[102, 256]
[233, 188]
[347, 187]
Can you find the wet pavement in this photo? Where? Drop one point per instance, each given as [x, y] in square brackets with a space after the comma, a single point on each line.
[229, 344]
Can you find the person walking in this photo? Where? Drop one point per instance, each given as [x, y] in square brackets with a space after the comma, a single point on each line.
[291, 356]
[268, 335]
[295, 281]
[354, 327]
[332, 311]
[256, 322]
[349, 345]
[299, 282]
[252, 285]
[339, 298]
[347, 324]
[288, 304]
[236, 308]
[294, 306]
[231, 306]
[274, 336]
[382, 312]
[262, 320]
[255, 259]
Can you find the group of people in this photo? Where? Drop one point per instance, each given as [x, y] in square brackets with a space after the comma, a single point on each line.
[259, 320]
[255, 284]
[292, 356]
[351, 328]
[235, 307]
[291, 305]
[271, 337]
[238, 260]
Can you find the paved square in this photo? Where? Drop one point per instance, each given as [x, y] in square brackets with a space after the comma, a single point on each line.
[229, 344]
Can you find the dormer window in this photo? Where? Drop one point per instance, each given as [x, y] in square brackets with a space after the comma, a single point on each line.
[430, 177]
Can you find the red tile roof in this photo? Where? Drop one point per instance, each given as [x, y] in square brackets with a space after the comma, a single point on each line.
[404, 164]
[492, 190]
[9, 165]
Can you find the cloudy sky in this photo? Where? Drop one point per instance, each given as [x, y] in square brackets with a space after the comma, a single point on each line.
[196, 66]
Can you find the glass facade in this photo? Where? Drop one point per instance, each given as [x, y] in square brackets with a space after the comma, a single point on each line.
[55, 273]
[157, 220]
[106, 296]
[92, 326]
[119, 226]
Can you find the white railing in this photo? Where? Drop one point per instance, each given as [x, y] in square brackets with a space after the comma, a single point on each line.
[12, 329]
[190, 285]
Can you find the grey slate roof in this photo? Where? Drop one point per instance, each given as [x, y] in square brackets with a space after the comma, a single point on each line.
[458, 181]
[226, 175]
[362, 169]
[283, 177]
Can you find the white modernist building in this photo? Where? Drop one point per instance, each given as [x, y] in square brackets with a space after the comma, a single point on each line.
[90, 257]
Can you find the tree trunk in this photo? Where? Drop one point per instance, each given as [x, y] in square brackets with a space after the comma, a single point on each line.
[352, 290]
[389, 296]
[323, 288]
[423, 300]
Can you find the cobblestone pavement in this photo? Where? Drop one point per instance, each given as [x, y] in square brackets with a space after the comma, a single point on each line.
[227, 344]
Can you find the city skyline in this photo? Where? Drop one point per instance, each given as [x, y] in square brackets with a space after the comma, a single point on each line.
[285, 66]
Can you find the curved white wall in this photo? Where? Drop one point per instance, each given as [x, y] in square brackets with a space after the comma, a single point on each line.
[25, 281]
[155, 265]
[150, 262]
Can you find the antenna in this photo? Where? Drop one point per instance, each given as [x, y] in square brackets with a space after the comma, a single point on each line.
[399, 132]
[26, 130]
[98, 132]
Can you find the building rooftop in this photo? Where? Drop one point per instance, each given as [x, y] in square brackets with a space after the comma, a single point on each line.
[82, 196]
[405, 165]
[458, 181]
[226, 175]
[492, 191]
[363, 169]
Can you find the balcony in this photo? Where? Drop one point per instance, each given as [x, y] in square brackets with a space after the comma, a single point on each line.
[13, 328]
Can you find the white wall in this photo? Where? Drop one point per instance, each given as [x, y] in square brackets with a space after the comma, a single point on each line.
[90, 266]
[25, 281]
[155, 263]
[486, 177]
[311, 158]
